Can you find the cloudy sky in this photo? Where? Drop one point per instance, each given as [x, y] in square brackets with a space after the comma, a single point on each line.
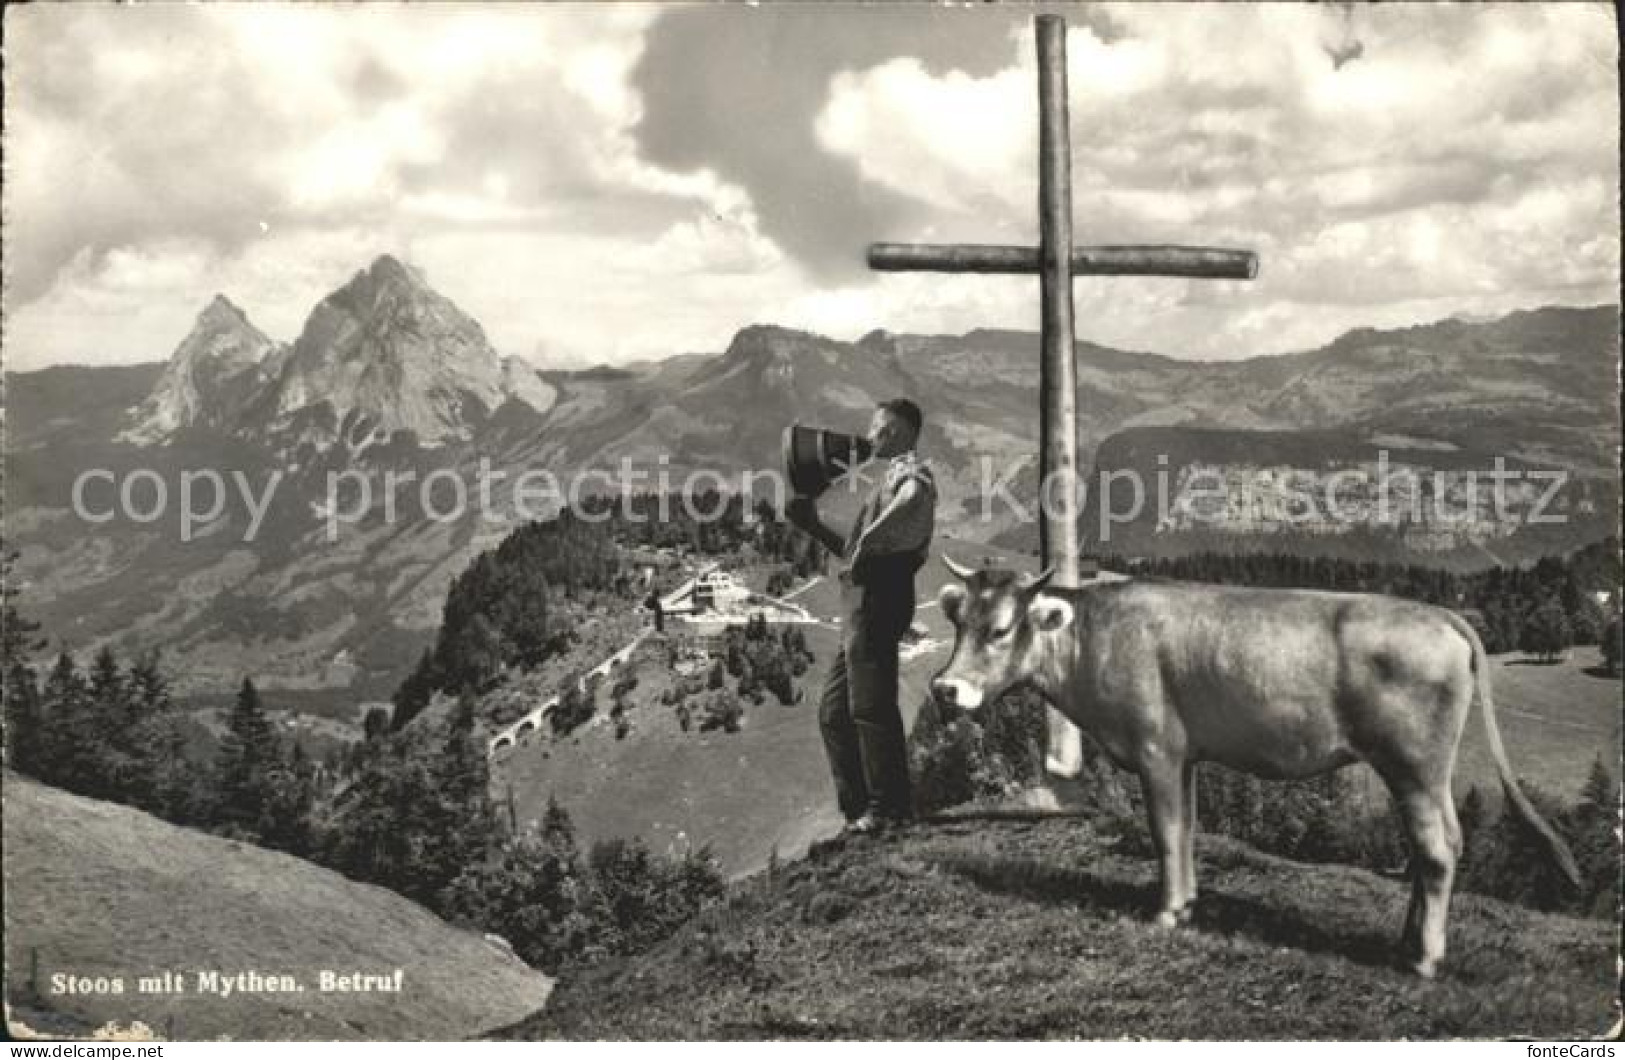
[602, 183]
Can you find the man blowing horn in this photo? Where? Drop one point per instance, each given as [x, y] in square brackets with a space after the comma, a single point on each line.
[858, 714]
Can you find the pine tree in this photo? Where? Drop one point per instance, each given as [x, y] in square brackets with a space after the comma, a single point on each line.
[558, 831]
[286, 823]
[68, 740]
[23, 717]
[574, 708]
[1547, 633]
[1596, 845]
[1611, 646]
[1514, 865]
[19, 689]
[245, 767]
[1247, 807]
[1586, 622]
[776, 677]
[418, 814]
[470, 658]
[375, 724]
[457, 821]
[1472, 817]
[531, 892]
[376, 833]
[157, 743]
[17, 633]
[107, 686]
[117, 775]
[637, 899]
[415, 692]
[522, 616]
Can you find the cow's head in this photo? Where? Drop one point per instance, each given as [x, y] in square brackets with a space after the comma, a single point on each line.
[1003, 627]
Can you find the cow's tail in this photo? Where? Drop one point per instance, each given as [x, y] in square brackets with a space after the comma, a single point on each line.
[1492, 732]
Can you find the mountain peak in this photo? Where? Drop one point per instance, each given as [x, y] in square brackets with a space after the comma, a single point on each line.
[387, 280]
[208, 377]
[391, 349]
[878, 340]
[386, 268]
[221, 308]
[762, 333]
[774, 342]
[223, 335]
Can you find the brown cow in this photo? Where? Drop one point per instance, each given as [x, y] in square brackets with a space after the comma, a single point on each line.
[1276, 682]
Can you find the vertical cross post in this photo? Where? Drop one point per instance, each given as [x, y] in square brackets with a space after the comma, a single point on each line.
[1058, 385]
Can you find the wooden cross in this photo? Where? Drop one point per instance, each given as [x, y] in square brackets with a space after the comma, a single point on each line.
[1056, 261]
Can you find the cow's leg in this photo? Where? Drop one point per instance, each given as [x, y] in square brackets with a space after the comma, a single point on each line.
[1165, 805]
[1187, 899]
[1452, 829]
[1429, 818]
[1064, 756]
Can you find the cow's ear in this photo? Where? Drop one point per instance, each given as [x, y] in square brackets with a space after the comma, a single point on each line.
[1049, 614]
[952, 601]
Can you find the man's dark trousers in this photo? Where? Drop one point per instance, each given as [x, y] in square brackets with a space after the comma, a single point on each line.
[859, 715]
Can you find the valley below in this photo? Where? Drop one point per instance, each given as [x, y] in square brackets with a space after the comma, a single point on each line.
[297, 511]
[393, 531]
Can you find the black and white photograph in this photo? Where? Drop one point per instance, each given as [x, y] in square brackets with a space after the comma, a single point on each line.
[843, 522]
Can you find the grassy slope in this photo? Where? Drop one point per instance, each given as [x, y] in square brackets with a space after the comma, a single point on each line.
[768, 788]
[745, 794]
[97, 889]
[1555, 720]
[991, 929]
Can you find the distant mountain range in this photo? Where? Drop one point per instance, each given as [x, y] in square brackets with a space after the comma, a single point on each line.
[389, 377]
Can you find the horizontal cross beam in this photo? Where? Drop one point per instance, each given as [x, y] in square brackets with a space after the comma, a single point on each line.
[1206, 263]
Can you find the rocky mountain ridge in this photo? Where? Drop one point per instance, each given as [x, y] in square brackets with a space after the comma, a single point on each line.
[381, 354]
[213, 373]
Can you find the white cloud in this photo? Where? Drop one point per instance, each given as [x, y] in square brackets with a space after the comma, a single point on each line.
[1466, 160]
[1469, 152]
[220, 141]
[896, 120]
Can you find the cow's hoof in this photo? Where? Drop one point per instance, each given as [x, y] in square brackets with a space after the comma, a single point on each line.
[1066, 769]
[1186, 913]
[1167, 920]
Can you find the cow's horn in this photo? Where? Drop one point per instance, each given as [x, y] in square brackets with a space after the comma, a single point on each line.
[963, 573]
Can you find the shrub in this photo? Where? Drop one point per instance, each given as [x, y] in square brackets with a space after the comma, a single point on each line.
[575, 707]
[722, 711]
[529, 892]
[1611, 645]
[535, 891]
[958, 757]
[635, 899]
[1548, 632]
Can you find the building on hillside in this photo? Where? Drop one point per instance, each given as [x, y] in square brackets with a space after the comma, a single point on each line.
[717, 591]
[710, 644]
